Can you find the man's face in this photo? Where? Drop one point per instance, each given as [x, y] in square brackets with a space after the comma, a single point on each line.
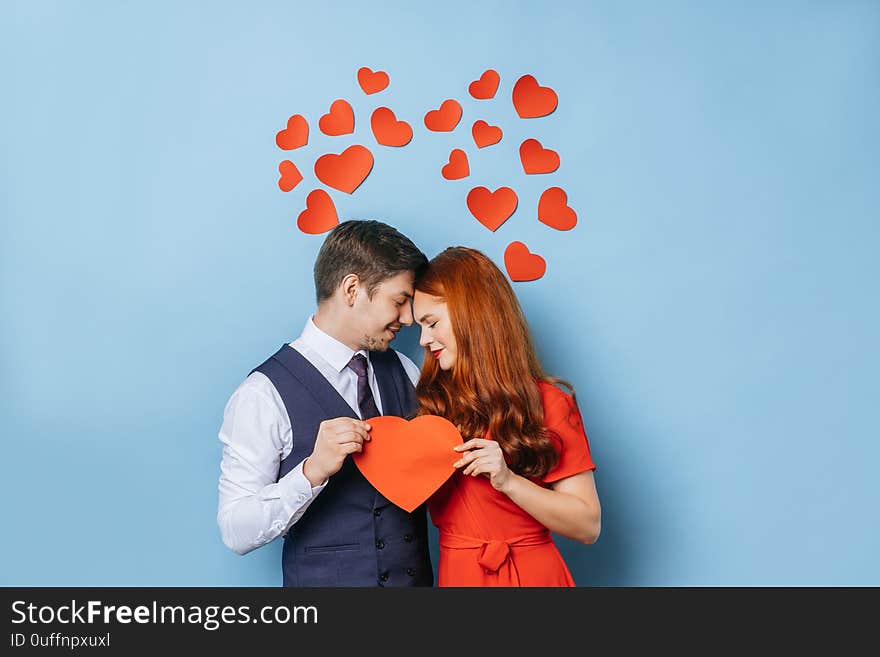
[381, 317]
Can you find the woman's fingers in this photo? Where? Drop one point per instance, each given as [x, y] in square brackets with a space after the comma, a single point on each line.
[470, 456]
[473, 443]
[470, 467]
[483, 465]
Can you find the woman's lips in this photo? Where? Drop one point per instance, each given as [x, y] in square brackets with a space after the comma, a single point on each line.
[436, 353]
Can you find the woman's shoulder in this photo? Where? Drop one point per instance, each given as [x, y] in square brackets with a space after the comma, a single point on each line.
[558, 404]
[552, 395]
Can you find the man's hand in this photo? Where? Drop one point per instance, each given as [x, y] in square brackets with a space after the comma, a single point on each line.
[336, 439]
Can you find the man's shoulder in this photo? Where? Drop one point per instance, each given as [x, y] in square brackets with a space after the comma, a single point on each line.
[256, 383]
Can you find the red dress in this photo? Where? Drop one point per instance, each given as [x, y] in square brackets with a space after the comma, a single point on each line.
[485, 538]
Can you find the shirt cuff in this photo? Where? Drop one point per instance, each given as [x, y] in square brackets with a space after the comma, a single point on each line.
[295, 489]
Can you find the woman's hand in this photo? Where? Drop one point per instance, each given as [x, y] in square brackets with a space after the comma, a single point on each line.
[486, 458]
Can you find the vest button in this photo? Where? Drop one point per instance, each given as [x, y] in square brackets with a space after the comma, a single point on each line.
[380, 544]
[408, 538]
[383, 578]
[377, 512]
[411, 571]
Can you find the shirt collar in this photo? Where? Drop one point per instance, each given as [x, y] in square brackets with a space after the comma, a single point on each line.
[330, 349]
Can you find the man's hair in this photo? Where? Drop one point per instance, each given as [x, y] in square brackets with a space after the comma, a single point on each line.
[372, 250]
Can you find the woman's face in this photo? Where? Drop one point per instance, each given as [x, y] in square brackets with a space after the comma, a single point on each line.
[432, 315]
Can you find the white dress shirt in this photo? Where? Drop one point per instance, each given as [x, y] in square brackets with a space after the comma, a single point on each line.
[253, 508]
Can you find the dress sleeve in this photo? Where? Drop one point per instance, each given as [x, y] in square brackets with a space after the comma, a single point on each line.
[563, 419]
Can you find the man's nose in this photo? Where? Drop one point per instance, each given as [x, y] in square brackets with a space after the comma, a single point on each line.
[405, 316]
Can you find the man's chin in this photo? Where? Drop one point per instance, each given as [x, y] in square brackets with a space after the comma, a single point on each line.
[382, 343]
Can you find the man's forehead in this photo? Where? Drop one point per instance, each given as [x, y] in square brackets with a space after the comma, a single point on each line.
[399, 284]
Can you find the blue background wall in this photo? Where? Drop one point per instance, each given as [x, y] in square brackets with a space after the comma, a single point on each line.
[713, 307]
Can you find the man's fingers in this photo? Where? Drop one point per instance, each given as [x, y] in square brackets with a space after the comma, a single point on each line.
[358, 427]
[361, 427]
[350, 448]
[350, 437]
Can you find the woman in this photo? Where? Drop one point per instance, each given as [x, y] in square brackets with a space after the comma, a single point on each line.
[525, 468]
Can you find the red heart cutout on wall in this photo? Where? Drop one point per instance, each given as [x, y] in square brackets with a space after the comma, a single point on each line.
[531, 100]
[537, 159]
[296, 133]
[492, 208]
[553, 210]
[521, 264]
[387, 130]
[345, 171]
[457, 166]
[319, 215]
[485, 134]
[290, 176]
[408, 461]
[486, 86]
[445, 118]
[372, 82]
[339, 120]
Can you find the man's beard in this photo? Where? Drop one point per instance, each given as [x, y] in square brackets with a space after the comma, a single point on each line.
[372, 343]
[376, 344]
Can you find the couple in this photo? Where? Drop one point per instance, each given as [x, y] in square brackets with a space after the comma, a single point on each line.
[524, 468]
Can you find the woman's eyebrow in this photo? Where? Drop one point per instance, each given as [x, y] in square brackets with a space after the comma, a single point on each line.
[425, 317]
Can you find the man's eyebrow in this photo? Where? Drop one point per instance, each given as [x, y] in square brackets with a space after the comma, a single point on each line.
[405, 294]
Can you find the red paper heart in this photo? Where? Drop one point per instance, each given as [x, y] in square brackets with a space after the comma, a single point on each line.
[339, 120]
[372, 82]
[319, 215]
[290, 176]
[521, 264]
[485, 134]
[445, 118]
[345, 171]
[296, 133]
[491, 208]
[457, 167]
[531, 100]
[486, 86]
[408, 461]
[536, 159]
[553, 210]
[387, 130]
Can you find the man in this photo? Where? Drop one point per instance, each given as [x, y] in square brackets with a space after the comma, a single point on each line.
[289, 427]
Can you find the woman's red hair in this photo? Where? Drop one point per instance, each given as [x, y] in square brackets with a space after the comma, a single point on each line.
[493, 386]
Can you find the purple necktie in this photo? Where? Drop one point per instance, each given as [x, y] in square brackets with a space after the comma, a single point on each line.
[366, 403]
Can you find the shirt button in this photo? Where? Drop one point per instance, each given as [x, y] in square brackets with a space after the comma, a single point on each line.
[411, 571]
[377, 512]
[407, 538]
[380, 544]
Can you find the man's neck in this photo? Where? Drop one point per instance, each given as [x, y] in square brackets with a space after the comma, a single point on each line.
[333, 324]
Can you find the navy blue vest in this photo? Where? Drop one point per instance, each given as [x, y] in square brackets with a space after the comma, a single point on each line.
[350, 535]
